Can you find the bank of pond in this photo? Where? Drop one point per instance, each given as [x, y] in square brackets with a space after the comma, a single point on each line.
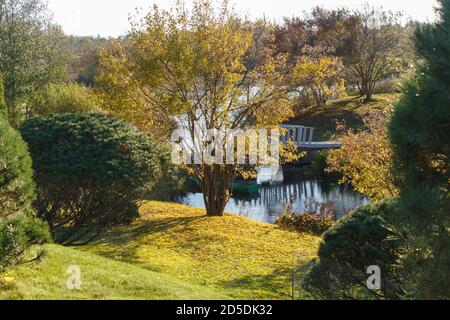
[265, 202]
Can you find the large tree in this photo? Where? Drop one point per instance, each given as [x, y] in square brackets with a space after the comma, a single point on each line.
[378, 49]
[32, 52]
[420, 131]
[197, 67]
[373, 44]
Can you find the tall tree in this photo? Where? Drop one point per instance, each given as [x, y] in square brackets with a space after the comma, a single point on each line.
[420, 134]
[193, 67]
[335, 29]
[377, 49]
[291, 37]
[32, 52]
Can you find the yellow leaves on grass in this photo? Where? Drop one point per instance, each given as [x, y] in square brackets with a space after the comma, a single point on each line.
[235, 255]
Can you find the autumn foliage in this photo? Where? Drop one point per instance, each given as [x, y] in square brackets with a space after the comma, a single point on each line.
[365, 159]
[321, 78]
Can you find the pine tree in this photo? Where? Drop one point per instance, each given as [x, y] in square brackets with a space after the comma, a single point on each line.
[17, 188]
[420, 134]
[18, 228]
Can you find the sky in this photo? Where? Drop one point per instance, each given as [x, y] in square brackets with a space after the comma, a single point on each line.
[109, 18]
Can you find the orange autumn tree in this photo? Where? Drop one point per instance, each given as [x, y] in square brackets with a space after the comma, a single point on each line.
[204, 65]
[365, 158]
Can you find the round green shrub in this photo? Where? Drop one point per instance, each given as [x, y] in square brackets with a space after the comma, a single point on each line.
[91, 172]
[359, 240]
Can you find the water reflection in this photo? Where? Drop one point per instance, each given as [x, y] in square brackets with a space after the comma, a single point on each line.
[267, 205]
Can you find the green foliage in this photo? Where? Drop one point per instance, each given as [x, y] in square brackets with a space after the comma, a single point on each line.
[173, 181]
[3, 107]
[18, 229]
[319, 166]
[17, 234]
[16, 176]
[33, 53]
[420, 135]
[91, 172]
[361, 239]
[64, 98]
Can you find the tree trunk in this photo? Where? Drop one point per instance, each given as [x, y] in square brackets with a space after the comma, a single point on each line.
[217, 182]
[215, 205]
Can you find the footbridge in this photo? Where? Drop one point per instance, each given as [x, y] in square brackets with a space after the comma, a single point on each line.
[303, 137]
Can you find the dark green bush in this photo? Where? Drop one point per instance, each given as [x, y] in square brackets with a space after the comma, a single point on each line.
[362, 239]
[91, 170]
[18, 229]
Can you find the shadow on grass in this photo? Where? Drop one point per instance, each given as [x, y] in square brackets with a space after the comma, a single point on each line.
[125, 242]
[277, 283]
[124, 234]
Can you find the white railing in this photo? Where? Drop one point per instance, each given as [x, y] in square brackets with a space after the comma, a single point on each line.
[300, 135]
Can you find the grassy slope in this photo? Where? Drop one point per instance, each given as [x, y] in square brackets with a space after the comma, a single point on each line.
[172, 252]
[232, 255]
[101, 278]
[351, 110]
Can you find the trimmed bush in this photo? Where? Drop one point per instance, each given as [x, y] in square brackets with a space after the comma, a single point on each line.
[362, 239]
[91, 170]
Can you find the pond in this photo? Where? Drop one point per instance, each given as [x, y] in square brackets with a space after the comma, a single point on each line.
[268, 203]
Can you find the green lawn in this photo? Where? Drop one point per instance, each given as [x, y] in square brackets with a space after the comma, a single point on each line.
[171, 252]
[351, 110]
[101, 278]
